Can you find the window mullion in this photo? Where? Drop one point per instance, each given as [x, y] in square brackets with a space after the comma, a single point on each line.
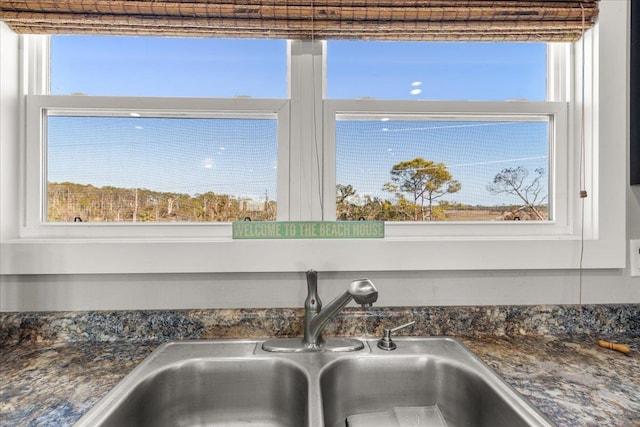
[558, 72]
[36, 65]
[305, 155]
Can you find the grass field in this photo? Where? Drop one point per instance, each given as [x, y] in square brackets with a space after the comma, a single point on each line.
[497, 213]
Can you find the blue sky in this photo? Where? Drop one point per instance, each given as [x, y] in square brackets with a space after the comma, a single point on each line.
[191, 156]
[440, 71]
[146, 66]
[195, 156]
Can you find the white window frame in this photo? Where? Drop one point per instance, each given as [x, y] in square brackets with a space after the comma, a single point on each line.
[40, 106]
[556, 112]
[605, 142]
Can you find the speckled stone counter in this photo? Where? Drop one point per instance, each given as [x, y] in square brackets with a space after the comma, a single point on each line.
[55, 366]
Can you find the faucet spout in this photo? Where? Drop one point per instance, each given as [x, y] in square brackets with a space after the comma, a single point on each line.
[362, 291]
[316, 317]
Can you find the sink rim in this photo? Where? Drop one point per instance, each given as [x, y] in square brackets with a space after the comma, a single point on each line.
[313, 365]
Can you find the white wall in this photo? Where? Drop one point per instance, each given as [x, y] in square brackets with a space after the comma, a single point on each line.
[225, 290]
[9, 120]
[166, 291]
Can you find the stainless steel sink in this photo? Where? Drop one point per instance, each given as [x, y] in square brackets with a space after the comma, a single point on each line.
[207, 384]
[446, 377]
[235, 382]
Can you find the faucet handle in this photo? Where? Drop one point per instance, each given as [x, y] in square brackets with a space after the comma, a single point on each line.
[385, 343]
[312, 280]
[312, 303]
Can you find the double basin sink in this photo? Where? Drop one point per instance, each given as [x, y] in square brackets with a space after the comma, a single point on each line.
[236, 383]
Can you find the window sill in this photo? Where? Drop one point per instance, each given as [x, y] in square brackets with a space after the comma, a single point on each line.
[80, 256]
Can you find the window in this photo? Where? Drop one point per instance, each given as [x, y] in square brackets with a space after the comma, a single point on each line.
[311, 152]
[162, 169]
[127, 161]
[166, 163]
[88, 158]
[441, 166]
[487, 163]
[430, 168]
[419, 160]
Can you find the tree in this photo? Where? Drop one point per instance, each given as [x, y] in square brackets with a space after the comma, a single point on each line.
[424, 181]
[514, 181]
[344, 192]
[343, 205]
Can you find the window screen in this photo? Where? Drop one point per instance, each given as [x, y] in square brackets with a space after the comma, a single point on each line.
[442, 169]
[160, 169]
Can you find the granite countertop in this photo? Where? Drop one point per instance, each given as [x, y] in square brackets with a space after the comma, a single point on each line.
[570, 379]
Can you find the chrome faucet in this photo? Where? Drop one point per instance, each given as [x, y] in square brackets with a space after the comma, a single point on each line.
[316, 317]
[362, 291]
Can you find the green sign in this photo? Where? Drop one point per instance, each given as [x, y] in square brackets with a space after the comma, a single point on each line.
[308, 230]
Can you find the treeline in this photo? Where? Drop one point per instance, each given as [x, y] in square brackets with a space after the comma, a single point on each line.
[68, 202]
[352, 206]
[355, 207]
[417, 187]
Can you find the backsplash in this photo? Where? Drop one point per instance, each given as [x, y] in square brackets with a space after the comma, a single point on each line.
[164, 325]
